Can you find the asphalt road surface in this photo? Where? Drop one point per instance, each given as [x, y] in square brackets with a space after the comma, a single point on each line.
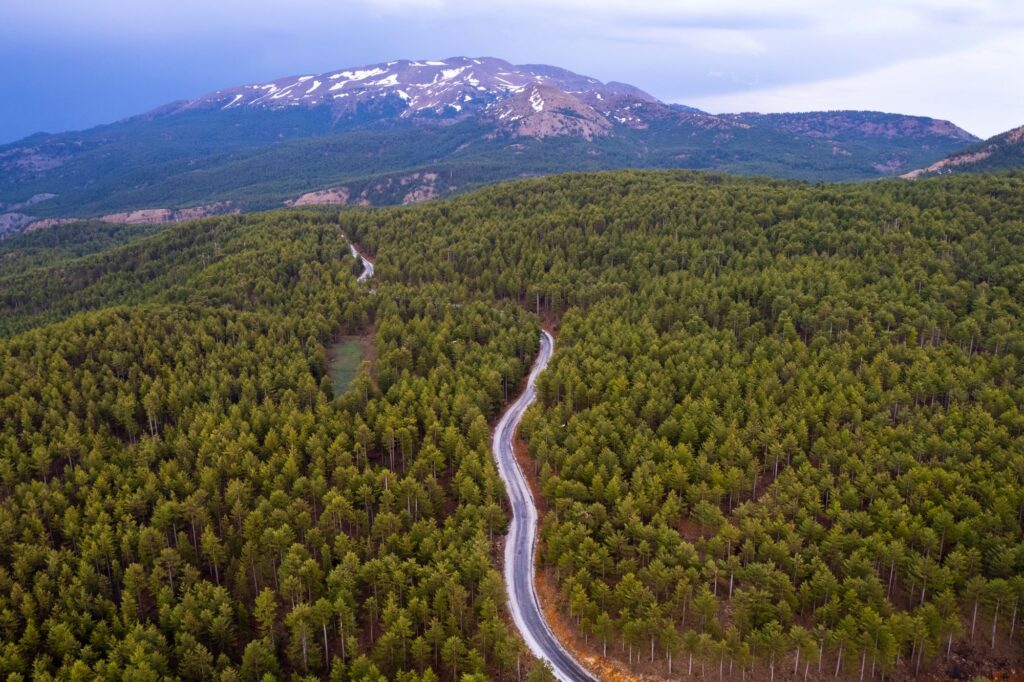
[367, 265]
[522, 536]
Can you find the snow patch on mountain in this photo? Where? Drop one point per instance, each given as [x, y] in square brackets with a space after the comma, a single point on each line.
[358, 75]
[536, 101]
[450, 89]
[544, 111]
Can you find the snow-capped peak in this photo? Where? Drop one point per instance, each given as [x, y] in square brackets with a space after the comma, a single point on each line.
[456, 87]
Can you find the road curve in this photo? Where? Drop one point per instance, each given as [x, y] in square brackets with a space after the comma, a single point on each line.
[367, 265]
[522, 536]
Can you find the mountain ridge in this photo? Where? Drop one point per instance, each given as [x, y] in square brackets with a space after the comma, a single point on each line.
[1001, 152]
[461, 121]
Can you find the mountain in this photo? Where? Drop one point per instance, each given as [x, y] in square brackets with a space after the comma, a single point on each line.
[895, 140]
[1002, 152]
[406, 130]
[451, 89]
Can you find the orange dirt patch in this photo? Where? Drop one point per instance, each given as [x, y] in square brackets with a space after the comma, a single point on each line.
[691, 530]
[160, 216]
[365, 253]
[573, 640]
[323, 197]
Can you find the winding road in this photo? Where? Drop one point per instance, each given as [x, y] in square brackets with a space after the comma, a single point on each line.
[367, 265]
[522, 537]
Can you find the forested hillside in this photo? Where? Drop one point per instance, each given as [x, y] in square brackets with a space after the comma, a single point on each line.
[783, 423]
[180, 496]
[383, 167]
[781, 434]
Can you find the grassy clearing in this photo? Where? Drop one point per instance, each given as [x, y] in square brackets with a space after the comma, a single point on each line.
[343, 362]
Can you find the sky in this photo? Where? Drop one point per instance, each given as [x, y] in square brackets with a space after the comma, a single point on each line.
[69, 64]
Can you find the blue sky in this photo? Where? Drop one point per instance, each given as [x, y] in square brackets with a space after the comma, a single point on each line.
[69, 64]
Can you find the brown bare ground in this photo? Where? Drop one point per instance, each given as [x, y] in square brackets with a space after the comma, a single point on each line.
[160, 216]
[365, 253]
[324, 197]
[693, 531]
[13, 221]
[47, 223]
[425, 187]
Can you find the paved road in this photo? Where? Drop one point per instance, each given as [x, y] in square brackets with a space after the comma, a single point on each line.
[522, 536]
[367, 265]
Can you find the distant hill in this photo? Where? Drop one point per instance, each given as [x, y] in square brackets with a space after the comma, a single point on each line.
[1002, 152]
[895, 141]
[406, 131]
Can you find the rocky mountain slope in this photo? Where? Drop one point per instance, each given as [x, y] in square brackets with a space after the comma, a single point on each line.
[450, 89]
[410, 130]
[848, 129]
[1002, 152]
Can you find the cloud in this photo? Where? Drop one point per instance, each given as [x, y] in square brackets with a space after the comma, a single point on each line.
[752, 15]
[729, 54]
[875, 15]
